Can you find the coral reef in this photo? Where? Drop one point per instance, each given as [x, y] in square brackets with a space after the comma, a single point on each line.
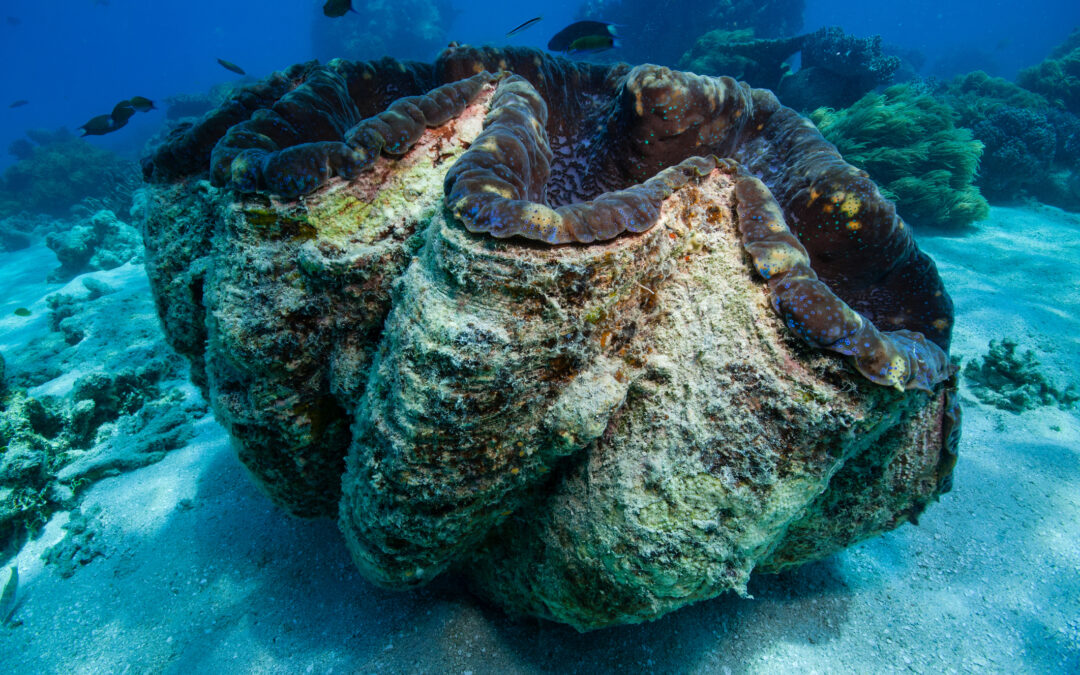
[1058, 77]
[907, 141]
[661, 33]
[1018, 128]
[597, 432]
[836, 70]
[1012, 381]
[60, 431]
[404, 29]
[100, 242]
[61, 171]
[738, 54]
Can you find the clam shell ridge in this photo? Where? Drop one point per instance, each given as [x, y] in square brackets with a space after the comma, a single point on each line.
[462, 304]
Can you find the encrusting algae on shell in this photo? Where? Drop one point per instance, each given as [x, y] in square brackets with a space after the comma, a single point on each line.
[624, 401]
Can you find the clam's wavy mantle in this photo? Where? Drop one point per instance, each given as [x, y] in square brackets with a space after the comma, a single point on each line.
[505, 314]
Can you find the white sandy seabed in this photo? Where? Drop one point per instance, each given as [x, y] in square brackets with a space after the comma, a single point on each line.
[201, 573]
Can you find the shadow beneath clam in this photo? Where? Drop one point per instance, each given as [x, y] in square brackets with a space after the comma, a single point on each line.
[807, 606]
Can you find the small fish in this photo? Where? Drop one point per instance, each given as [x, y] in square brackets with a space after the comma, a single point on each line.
[229, 65]
[18, 104]
[99, 126]
[22, 311]
[121, 113]
[7, 598]
[142, 104]
[592, 43]
[524, 25]
[562, 41]
[338, 8]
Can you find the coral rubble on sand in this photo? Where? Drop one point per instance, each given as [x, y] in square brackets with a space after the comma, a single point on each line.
[99, 394]
[1012, 381]
[363, 277]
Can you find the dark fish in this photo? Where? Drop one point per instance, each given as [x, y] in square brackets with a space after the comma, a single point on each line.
[563, 40]
[22, 311]
[336, 8]
[229, 65]
[592, 43]
[121, 113]
[18, 104]
[99, 126]
[141, 103]
[524, 25]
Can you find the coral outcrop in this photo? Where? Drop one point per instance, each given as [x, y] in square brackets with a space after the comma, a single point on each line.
[738, 54]
[100, 242]
[1058, 77]
[1018, 128]
[661, 34]
[569, 329]
[836, 70]
[59, 171]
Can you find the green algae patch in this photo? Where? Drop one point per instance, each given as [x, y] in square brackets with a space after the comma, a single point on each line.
[395, 193]
[271, 224]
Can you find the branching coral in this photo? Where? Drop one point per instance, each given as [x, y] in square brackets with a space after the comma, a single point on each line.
[908, 142]
[836, 69]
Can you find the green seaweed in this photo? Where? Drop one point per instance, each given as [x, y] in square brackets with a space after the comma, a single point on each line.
[907, 141]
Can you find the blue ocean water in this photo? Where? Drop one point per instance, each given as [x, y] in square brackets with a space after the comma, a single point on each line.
[73, 60]
[943, 596]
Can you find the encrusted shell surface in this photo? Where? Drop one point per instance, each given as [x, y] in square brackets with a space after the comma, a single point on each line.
[592, 434]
